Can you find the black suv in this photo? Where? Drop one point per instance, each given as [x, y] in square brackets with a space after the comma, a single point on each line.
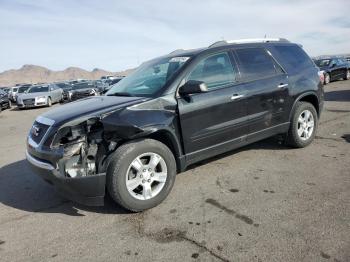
[173, 111]
[334, 68]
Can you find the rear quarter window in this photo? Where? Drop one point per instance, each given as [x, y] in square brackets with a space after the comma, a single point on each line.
[293, 58]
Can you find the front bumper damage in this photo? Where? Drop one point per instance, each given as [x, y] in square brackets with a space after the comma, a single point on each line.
[87, 190]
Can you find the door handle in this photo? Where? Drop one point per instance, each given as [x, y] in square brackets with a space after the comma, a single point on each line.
[236, 96]
[282, 85]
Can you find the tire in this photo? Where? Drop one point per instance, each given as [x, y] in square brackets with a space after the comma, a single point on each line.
[49, 102]
[120, 168]
[327, 78]
[347, 75]
[294, 138]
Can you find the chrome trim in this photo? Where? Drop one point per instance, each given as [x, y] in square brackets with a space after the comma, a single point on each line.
[45, 121]
[32, 143]
[282, 85]
[234, 97]
[38, 163]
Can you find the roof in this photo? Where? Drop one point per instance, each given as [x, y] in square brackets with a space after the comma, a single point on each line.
[190, 52]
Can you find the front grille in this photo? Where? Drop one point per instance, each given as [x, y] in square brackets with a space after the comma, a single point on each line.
[29, 102]
[38, 131]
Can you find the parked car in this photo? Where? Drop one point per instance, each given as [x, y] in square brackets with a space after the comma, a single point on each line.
[12, 93]
[334, 68]
[21, 90]
[5, 89]
[40, 95]
[82, 90]
[4, 100]
[174, 111]
[66, 87]
[100, 85]
[110, 83]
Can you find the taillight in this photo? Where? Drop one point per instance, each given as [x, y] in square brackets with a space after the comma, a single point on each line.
[321, 75]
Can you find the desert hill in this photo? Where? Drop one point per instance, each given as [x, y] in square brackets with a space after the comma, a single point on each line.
[39, 74]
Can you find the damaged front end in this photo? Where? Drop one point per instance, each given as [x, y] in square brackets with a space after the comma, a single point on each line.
[74, 159]
[85, 148]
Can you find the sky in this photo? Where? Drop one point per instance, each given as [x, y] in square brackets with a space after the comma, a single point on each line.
[117, 35]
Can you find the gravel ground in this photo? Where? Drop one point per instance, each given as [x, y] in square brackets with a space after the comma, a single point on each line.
[264, 202]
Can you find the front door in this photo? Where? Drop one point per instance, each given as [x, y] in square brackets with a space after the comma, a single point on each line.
[215, 118]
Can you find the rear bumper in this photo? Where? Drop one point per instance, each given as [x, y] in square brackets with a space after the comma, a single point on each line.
[89, 190]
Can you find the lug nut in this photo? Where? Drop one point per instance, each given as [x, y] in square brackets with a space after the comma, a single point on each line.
[149, 169]
[152, 175]
[149, 180]
[144, 170]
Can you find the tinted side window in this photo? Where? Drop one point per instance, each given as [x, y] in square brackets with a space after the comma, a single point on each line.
[293, 57]
[215, 71]
[255, 63]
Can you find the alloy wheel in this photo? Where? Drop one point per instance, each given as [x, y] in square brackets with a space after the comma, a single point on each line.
[146, 176]
[306, 124]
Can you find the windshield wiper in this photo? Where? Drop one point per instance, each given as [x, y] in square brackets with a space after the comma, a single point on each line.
[120, 94]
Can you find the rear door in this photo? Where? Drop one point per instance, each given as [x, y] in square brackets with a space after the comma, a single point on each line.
[266, 86]
[218, 116]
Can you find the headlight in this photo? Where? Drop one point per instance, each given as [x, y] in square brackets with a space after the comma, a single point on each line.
[40, 99]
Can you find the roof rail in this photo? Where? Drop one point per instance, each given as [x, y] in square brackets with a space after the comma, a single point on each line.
[176, 51]
[248, 40]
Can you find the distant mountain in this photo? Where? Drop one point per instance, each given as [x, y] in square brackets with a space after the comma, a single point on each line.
[39, 74]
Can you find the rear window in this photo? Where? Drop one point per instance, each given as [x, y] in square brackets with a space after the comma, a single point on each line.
[255, 63]
[293, 57]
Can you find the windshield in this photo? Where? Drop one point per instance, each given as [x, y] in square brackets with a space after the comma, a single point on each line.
[36, 89]
[322, 62]
[22, 89]
[149, 78]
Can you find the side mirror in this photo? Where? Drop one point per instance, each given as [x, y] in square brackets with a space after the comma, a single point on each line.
[193, 87]
[333, 64]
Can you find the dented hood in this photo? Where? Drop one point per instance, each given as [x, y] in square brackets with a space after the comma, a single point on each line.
[90, 106]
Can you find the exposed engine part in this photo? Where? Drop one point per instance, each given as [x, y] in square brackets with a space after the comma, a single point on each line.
[73, 167]
[82, 162]
[84, 148]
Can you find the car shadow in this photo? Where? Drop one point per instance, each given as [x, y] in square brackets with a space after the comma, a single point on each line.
[346, 137]
[338, 95]
[20, 188]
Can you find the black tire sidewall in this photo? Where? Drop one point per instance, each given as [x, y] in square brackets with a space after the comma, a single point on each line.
[117, 169]
[295, 140]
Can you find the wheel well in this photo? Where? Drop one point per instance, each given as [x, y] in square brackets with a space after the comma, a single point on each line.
[312, 99]
[166, 138]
